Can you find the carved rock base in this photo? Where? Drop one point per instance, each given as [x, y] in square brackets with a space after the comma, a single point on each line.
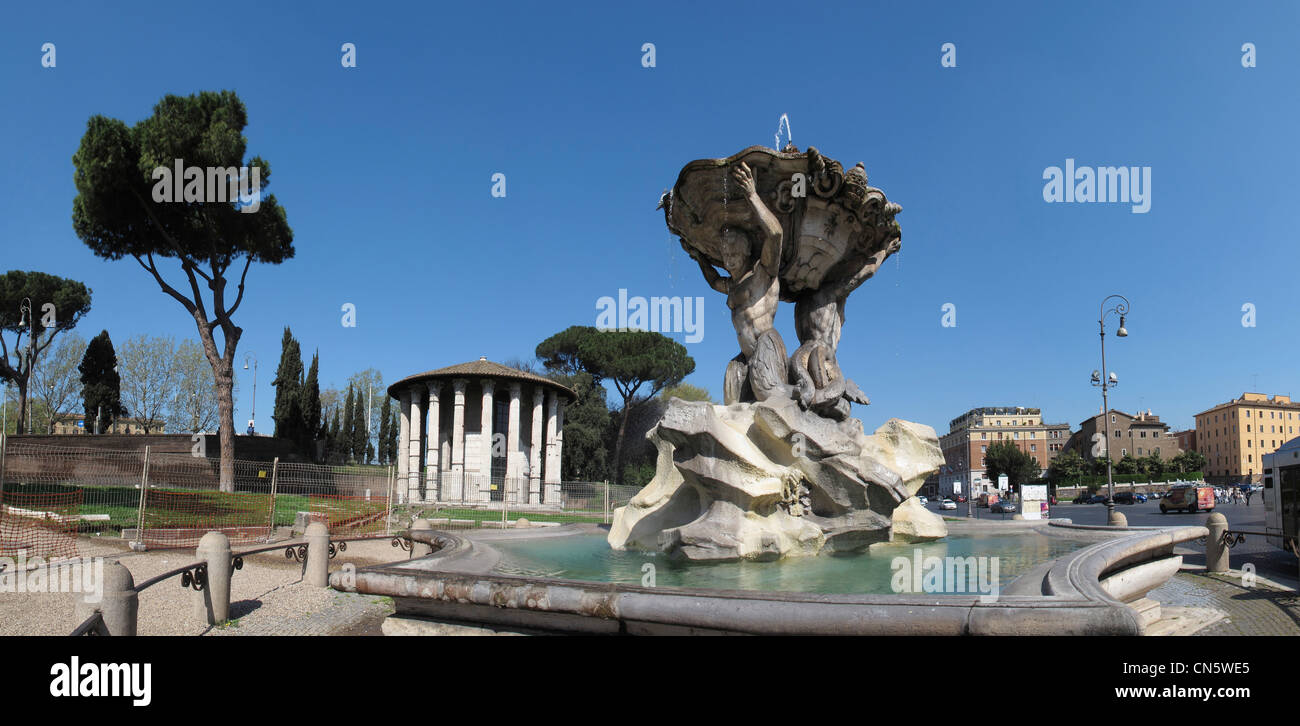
[767, 480]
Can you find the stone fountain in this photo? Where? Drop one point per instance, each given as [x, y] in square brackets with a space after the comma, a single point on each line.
[781, 469]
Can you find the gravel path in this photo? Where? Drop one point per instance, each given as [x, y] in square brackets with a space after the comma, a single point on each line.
[267, 596]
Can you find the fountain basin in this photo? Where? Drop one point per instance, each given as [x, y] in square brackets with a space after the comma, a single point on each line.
[1070, 595]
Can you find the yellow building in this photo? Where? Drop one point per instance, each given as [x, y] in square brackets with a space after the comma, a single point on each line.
[1235, 436]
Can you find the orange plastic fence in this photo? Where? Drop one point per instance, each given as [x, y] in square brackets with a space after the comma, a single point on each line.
[350, 515]
[181, 518]
[43, 525]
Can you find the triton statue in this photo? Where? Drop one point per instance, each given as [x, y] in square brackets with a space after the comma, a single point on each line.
[781, 469]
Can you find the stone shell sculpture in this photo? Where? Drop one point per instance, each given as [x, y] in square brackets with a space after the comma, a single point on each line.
[781, 469]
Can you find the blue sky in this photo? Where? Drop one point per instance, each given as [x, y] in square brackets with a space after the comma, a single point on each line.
[385, 173]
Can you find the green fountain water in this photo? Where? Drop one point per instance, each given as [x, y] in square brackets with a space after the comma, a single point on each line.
[589, 558]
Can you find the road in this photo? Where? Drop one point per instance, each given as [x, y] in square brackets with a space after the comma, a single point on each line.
[1266, 558]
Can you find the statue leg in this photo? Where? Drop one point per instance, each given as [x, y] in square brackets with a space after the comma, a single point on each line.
[803, 382]
[768, 371]
[735, 382]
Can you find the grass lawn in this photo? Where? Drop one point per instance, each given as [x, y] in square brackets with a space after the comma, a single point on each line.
[180, 509]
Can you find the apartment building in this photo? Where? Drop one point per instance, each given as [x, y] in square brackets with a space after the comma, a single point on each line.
[1138, 435]
[1234, 436]
[970, 434]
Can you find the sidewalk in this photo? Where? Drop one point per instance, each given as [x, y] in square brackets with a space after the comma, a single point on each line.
[1194, 602]
[268, 597]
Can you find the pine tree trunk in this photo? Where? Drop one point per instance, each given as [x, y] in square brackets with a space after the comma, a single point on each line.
[618, 445]
[226, 409]
[24, 406]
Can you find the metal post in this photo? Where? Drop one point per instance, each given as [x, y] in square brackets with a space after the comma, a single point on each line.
[606, 501]
[144, 488]
[505, 499]
[275, 474]
[388, 512]
[4, 444]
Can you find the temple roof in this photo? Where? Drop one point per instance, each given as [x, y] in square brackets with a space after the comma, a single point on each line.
[482, 368]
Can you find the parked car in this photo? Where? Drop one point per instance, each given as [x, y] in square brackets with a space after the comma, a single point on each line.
[923, 500]
[1189, 498]
[1084, 498]
[947, 504]
[1097, 499]
[1140, 497]
[1003, 506]
[961, 498]
[1129, 498]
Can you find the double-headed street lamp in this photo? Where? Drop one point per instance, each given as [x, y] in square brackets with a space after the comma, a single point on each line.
[1107, 380]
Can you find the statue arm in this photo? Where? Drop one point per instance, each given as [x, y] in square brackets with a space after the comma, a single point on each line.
[863, 274]
[769, 227]
[716, 281]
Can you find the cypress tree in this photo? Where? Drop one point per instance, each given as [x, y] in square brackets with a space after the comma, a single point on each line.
[288, 414]
[333, 452]
[101, 390]
[385, 413]
[394, 428]
[345, 432]
[311, 414]
[359, 427]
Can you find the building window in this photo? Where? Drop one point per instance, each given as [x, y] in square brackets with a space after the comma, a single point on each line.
[1123, 452]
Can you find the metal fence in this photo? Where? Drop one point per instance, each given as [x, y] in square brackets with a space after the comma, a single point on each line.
[172, 499]
[49, 495]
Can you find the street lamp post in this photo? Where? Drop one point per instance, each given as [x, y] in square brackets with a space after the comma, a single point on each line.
[1107, 380]
[252, 409]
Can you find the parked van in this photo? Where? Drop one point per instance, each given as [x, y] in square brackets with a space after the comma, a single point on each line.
[1189, 498]
[986, 499]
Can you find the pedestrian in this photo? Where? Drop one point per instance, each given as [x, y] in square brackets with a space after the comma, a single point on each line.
[1248, 493]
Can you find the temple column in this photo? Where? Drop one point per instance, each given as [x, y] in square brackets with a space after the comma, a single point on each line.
[512, 447]
[552, 481]
[403, 443]
[414, 432]
[535, 452]
[458, 438]
[485, 429]
[433, 449]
